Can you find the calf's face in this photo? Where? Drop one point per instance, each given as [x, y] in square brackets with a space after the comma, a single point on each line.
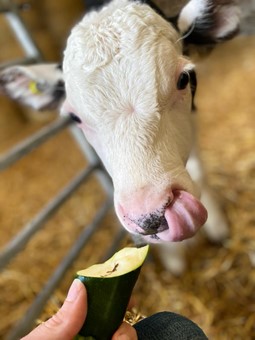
[127, 85]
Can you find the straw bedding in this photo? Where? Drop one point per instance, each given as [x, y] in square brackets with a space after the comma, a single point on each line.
[217, 291]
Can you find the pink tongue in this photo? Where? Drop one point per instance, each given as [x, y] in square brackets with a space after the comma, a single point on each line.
[184, 217]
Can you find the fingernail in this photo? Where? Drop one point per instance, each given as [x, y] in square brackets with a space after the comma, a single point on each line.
[123, 337]
[74, 290]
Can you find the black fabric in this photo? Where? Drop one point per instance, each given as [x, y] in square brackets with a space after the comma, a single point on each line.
[168, 326]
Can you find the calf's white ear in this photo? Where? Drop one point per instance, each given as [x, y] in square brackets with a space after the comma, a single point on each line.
[204, 22]
[39, 86]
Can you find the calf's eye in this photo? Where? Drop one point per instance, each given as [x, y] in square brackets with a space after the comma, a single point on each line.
[75, 118]
[183, 81]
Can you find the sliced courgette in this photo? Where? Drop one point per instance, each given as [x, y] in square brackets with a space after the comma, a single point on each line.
[109, 286]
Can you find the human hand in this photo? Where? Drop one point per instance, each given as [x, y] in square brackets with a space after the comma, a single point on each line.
[67, 322]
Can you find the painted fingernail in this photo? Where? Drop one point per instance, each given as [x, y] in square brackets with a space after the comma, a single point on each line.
[74, 290]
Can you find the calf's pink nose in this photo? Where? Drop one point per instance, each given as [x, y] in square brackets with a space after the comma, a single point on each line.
[167, 217]
[143, 212]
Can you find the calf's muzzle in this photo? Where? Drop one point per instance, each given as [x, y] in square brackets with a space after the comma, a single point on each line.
[178, 215]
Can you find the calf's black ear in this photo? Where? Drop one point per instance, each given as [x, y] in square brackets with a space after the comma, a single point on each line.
[208, 22]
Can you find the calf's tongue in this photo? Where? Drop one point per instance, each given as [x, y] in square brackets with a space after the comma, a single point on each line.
[184, 217]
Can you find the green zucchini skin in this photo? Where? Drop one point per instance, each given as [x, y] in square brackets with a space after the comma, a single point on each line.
[108, 298]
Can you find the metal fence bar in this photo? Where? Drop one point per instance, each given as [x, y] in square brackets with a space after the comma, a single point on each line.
[26, 323]
[17, 243]
[32, 142]
[19, 28]
[10, 10]
[32, 54]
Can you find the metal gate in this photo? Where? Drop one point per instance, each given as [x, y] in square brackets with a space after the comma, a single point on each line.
[33, 55]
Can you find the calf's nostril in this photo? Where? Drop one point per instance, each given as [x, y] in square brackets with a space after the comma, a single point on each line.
[152, 224]
[169, 202]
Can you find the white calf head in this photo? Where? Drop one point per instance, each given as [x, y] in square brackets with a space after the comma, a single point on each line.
[129, 88]
[128, 85]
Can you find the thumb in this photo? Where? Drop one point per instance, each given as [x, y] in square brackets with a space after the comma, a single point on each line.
[67, 322]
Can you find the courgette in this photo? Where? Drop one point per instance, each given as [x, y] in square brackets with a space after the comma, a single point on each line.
[109, 286]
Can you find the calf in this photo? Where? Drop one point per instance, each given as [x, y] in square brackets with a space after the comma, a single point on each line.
[130, 88]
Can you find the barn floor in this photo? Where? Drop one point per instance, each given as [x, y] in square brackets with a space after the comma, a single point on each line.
[218, 289]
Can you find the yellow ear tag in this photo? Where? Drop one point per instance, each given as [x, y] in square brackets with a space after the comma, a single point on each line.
[33, 88]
